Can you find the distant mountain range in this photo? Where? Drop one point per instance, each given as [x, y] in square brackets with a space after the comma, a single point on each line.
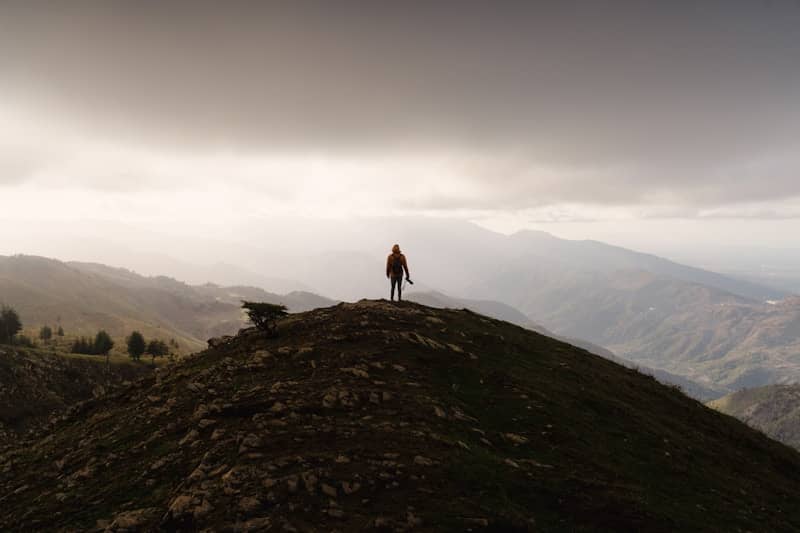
[706, 334]
[717, 331]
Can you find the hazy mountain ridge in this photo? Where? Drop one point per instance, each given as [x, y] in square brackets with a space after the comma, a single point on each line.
[595, 256]
[706, 334]
[87, 297]
[457, 422]
[345, 258]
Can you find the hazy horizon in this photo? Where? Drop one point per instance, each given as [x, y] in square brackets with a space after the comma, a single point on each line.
[282, 255]
[655, 126]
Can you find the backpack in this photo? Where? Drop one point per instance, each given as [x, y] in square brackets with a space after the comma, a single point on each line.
[397, 265]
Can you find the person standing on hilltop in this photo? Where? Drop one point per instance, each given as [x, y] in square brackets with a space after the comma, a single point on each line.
[395, 265]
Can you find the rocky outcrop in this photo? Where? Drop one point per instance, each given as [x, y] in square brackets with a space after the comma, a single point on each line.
[37, 385]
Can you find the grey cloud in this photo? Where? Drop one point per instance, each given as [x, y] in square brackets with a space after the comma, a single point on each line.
[17, 167]
[622, 102]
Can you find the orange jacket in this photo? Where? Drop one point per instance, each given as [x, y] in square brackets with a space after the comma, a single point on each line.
[390, 262]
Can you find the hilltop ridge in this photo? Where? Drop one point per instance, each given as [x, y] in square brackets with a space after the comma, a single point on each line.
[398, 417]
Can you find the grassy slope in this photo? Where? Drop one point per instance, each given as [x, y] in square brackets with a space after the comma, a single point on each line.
[593, 445]
[88, 297]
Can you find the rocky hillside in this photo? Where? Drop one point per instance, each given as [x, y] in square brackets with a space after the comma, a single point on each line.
[507, 313]
[774, 409]
[35, 385]
[398, 417]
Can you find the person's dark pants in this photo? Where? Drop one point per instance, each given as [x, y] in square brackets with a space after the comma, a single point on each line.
[399, 283]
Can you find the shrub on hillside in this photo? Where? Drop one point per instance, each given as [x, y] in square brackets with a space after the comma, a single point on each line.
[265, 316]
[24, 340]
[103, 343]
[46, 333]
[136, 345]
[157, 348]
[10, 324]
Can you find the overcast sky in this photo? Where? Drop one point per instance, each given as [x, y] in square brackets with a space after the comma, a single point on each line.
[588, 119]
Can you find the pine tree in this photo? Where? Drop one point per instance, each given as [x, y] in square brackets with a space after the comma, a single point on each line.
[157, 348]
[10, 324]
[103, 343]
[136, 345]
[45, 333]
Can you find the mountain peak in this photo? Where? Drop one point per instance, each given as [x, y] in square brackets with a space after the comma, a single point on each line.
[533, 234]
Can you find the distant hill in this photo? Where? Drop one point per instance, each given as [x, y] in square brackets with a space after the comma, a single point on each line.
[599, 257]
[773, 409]
[708, 335]
[394, 417]
[86, 297]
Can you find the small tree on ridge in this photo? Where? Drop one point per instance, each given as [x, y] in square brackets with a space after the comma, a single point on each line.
[265, 316]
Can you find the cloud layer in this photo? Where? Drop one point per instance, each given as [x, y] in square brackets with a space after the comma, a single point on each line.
[358, 107]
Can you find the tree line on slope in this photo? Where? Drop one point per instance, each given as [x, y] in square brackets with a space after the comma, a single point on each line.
[263, 315]
[101, 344]
[138, 346]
